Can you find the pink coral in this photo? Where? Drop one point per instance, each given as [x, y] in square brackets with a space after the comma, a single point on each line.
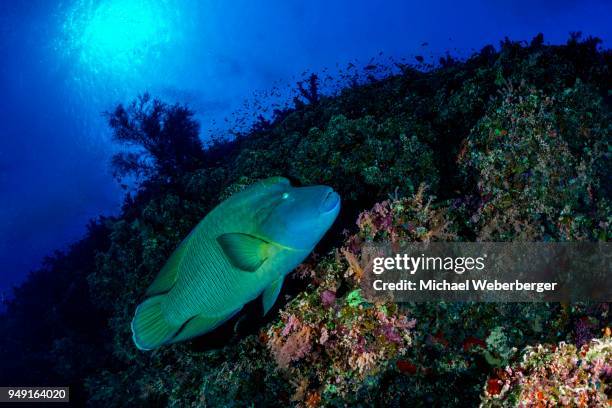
[391, 334]
[293, 348]
[328, 298]
[293, 323]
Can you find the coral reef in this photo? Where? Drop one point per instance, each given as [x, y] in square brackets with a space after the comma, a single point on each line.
[540, 166]
[329, 339]
[554, 375]
[508, 145]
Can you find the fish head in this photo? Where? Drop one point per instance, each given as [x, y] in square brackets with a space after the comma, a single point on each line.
[298, 217]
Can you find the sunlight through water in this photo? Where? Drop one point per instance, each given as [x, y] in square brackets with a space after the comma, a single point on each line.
[118, 36]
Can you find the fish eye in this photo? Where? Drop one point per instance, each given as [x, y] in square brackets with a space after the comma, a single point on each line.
[285, 196]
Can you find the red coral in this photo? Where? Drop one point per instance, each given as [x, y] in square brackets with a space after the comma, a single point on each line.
[471, 342]
[494, 386]
[406, 367]
[438, 338]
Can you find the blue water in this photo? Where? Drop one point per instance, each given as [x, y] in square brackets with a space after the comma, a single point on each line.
[65, 63]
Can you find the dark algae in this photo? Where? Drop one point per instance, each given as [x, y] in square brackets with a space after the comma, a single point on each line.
[510, 144]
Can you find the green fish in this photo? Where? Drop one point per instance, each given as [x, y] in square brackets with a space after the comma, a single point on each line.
[242, 249]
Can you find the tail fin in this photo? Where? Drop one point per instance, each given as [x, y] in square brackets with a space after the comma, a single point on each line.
[149, 328]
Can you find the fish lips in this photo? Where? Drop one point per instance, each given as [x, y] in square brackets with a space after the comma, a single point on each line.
[330, 202]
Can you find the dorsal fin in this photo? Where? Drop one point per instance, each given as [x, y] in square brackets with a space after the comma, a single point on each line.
[166, 278]
[244, 251]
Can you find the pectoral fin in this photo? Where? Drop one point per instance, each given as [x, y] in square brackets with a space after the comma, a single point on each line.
[270, 294]
[201, 324]
[244, 251]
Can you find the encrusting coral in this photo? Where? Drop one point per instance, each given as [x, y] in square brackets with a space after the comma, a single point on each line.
[555, 375]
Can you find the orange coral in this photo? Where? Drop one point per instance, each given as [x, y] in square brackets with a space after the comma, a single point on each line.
[313, 399]
[354, 265]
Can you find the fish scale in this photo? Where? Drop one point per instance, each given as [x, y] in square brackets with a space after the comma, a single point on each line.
[207, 293]
[222, 282]
[198, 288]
[210, 283]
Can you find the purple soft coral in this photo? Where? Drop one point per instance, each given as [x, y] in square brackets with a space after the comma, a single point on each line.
[328, 298]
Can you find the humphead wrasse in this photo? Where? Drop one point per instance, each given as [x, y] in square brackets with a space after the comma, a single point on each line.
[242, 249]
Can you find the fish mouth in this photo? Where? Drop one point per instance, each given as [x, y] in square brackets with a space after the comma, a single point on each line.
[330, 202]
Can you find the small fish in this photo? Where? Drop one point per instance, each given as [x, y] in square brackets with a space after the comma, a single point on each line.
[242, 249]
[419, 58]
